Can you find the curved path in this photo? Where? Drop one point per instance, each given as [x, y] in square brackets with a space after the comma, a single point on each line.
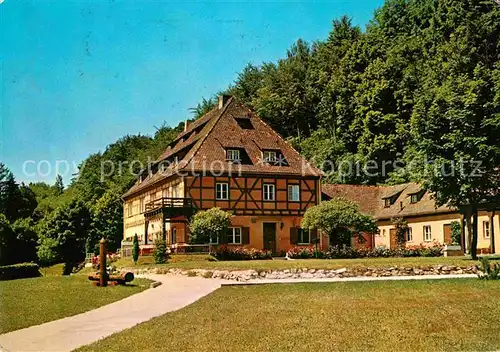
[72, 332]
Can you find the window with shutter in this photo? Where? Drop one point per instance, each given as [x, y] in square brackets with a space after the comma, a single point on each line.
[234, 235]
[303, 236]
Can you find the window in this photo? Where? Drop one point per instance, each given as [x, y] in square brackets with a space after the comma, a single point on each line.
[221, 191]
[163, 167]
[234, 235]
[294, 193]
[269, 156]
[233, 154]
[173, 235]
[409, 235]
[387, 203]
[414, 198]
[427, 233]
[129, 209]
[244, 123]
[141, 205]
[486, 229]
[214, 240]
[268, 191]
[303, 236]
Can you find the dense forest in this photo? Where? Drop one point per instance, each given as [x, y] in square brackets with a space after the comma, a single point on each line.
[415, 92]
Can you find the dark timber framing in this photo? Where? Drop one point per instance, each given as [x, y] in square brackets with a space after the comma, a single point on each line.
[248, 183]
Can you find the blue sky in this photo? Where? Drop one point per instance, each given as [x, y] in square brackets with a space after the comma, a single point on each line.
[78, 75]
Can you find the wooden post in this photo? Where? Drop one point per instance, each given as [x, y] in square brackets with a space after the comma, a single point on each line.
[163, 232]
[102, 263]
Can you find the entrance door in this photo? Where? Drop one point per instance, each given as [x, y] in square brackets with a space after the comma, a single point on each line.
[392, 238]
[447, 233]
[269, 232]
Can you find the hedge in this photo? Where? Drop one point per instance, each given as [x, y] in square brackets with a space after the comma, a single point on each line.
[19, 271]
[436, 250]
[239, 253]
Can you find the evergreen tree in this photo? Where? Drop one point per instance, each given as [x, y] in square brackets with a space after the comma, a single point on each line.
[59, 185]
[135, 249]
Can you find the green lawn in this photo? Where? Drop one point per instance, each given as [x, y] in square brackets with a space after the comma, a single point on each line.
[35, 301]
[386, 316]
[201, 262]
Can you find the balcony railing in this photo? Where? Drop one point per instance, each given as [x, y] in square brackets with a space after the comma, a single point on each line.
[169, 203]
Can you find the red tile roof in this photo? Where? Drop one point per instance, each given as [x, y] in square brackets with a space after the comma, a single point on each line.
[371, 199]
[202, 148]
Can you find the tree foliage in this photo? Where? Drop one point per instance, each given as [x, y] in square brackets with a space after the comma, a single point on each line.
[64, 233]
[207, 226]
[340, 219]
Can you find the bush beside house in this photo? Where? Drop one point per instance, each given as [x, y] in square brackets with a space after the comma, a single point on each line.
[345, 252]
[239, 253]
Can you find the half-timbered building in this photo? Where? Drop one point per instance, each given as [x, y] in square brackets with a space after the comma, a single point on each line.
[230, 159]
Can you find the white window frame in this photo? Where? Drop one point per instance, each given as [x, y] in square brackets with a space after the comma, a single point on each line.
[299, 231]
[268, 192]
[269, 156]
[429, 232]
[387, 202]
[233, 155]
[231, 237]
[486, 229]
[294, 190]
[414, 198]
[223, 192]
[409, 234]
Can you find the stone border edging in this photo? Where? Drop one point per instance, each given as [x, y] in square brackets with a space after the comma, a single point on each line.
[304, 273]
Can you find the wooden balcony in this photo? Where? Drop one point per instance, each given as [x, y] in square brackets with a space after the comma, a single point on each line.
[169, 207]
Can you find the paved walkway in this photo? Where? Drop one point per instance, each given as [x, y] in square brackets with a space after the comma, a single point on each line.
[72, 332]
[349, 279]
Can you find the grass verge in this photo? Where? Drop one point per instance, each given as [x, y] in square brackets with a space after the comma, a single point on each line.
[386, 316]
[29, 302]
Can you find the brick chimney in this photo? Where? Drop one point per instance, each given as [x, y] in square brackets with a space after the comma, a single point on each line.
[223, 100]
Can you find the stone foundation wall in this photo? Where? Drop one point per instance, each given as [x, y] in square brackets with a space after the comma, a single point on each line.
[245, 275]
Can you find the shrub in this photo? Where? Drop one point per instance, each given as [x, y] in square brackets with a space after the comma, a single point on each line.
[346, 252]
[241, 253]
[135, 249]
[19, 271]
[488, 271]
[160, 252]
